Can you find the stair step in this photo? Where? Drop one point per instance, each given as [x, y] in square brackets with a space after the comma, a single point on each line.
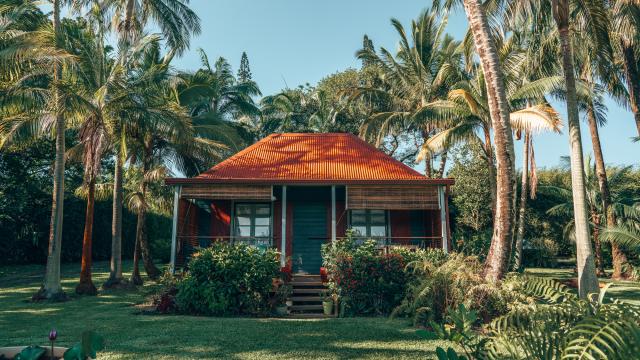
[309, 291]
[310, 316]
[306, 298]
[295, 283]
[306, 307]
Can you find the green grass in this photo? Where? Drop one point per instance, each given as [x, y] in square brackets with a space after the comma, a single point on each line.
[627, 291]
[131, 335]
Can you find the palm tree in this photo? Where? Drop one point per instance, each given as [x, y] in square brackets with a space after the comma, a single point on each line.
[627, 232]
[500, 250]
[177, 23]
[625, 15]
[423, 70]
[592, 16]
[162, 133]
[35, 53]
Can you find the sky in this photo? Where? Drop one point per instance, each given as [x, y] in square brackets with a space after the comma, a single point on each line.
[294, 42]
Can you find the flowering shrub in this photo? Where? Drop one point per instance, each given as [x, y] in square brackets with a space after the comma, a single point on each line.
[228, 280]
[366, 281]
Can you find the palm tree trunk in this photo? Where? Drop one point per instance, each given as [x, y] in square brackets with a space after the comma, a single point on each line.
[633, 80]
[141, 229]
[596, 242]
[428, 171]
[619, 258]
[587, 279]
[497, 261]
[115, 270]
[52, 288]
[136, 279]
[443, 164]
[86, 287]
[523, 201]
[488, 149]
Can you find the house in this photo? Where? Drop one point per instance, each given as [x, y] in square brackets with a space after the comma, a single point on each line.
[295, 192]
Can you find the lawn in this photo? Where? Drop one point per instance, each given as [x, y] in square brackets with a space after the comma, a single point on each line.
[131, 335]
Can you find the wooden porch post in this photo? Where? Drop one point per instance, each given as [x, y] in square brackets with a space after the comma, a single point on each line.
[174, 229]
[333, 213]
[283, 241]
[442, 203]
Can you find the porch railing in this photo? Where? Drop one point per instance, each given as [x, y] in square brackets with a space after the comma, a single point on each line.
[204, 241]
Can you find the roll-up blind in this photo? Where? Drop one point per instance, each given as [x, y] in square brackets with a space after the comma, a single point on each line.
[227, 192]
[392, 197]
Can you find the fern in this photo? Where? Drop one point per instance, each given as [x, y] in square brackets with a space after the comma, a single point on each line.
[547, 290]
[594, 338]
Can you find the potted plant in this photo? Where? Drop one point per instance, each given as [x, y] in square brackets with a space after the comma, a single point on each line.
[327, 305]
[87, 348]
[282, 295]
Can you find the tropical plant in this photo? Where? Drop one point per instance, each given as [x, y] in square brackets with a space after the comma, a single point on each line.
[562, 326]
[627, 232]
[423, 70]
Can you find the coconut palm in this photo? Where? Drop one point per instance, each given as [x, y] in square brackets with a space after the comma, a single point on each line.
[177, 22]
[625, 17]
[500, 249]
[627, 232]
[161, 134]
[32, 55]
[591, 17]
[425, 66]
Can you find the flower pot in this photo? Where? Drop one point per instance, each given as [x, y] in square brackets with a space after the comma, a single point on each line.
[327, 307]
[289, 303]
[282, 310]
[11, 351]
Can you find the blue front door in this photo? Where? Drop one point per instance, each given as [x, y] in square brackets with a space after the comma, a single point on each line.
[309, 233]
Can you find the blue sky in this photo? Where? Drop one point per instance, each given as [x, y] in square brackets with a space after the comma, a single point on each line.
[293, 42]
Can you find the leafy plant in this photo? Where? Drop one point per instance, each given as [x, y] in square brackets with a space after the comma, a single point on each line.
[563, 326]
[459, 329]
[228, 279]
[89, 346]
[30, 353]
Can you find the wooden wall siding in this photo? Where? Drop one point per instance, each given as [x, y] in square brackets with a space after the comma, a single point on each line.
[227, 192]
[187, 230]
[408, 197]
[221, 218]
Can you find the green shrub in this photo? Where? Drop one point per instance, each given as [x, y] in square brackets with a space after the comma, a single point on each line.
[366, 281]
[437, 287]
[228, 280]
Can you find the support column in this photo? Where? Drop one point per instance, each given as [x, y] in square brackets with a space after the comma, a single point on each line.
[174, 229]
[442, 203]
[333, 213]
[283, 241]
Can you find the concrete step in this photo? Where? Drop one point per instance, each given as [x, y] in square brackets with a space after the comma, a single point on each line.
[306, 307]
[310, 291]
[310, 316]
[295, 283]
[306, 299]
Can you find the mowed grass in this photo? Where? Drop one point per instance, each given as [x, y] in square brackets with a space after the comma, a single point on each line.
[132, 335]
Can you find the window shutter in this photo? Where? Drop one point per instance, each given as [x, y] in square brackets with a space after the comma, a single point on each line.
[392, 197]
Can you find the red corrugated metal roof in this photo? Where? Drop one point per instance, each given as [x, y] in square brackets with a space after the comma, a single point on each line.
[311, 158]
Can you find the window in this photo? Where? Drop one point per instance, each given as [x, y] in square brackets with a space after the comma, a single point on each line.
[369, 223]
[252, 220]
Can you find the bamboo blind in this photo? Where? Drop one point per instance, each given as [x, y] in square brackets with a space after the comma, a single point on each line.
[227, 192]
[392, 197]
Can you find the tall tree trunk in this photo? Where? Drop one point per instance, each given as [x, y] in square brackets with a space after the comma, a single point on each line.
[443, 164]
[86, 287]
[523, 201]
[488, 149]
[115, 269]
[141, 228]
[428, 171]
[500, 251]
[619, 258]
[136, 279]
[633, 80]
[51, 287]
[587, 279]
[596, 242]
